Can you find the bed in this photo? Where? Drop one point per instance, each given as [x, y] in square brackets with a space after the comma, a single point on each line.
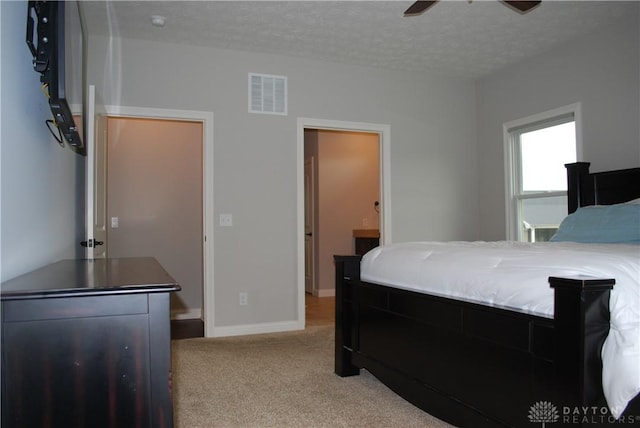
[475, 363]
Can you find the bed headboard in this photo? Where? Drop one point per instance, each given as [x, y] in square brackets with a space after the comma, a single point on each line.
[600, 188]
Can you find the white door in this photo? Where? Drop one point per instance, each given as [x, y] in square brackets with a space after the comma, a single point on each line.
[309, 197]
[96, 178]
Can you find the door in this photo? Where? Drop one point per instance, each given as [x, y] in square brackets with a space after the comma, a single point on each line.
[96, 178]
[309, 253]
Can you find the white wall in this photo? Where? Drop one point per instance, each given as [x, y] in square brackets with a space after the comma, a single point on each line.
[41, 183]
[601, 71]
[433, 156]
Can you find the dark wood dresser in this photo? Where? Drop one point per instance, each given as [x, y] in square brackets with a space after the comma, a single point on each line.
[86, 343]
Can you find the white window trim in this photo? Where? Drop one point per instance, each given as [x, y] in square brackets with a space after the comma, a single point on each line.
[512, 229]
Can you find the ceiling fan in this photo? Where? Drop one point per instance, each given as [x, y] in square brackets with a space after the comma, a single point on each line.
[419, 7]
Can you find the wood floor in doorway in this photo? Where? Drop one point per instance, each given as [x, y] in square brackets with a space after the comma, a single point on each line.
[186, 329]
[319, 310]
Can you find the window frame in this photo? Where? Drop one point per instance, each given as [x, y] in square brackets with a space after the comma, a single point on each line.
[512, 160]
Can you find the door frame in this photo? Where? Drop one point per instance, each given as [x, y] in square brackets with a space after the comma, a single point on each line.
[95, 122]
[206, 118]
[384, 133]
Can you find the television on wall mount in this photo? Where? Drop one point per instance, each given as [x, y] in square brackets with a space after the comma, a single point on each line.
[56, 39]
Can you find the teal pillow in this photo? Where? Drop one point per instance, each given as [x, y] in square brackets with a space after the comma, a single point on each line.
[601, 224]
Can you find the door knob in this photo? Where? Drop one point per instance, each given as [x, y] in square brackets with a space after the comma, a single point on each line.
[91, 243]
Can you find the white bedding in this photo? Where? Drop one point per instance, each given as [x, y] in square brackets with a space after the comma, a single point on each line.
[515, 275]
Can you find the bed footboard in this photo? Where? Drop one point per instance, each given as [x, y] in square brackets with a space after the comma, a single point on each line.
[581, 324]
[470, 364]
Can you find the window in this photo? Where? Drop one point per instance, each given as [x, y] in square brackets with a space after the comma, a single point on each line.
[537, 149]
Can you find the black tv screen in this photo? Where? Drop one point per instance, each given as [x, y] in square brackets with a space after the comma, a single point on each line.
[56, 38]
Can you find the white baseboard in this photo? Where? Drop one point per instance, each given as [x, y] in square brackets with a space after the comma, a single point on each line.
[324, 292]
[188, 315]
[242, 330]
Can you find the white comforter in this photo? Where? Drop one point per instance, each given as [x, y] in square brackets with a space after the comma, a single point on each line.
[515, 275]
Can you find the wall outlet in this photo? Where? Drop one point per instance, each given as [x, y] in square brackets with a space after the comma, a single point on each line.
[243, 299]
[226, 220]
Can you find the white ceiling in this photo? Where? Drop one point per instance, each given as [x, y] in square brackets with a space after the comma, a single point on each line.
[462, 38]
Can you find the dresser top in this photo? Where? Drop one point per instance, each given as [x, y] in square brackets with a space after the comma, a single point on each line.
[98, 276]
[366, 233]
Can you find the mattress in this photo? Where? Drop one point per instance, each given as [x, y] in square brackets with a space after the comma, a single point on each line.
[515, 275]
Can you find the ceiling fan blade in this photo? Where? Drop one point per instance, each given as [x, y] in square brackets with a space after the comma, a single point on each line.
[418, 7]
[522, 6]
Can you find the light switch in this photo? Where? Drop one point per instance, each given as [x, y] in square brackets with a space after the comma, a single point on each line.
[226, 220]
[114, 222]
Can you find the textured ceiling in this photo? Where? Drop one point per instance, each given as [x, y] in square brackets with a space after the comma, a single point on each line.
[467, 39]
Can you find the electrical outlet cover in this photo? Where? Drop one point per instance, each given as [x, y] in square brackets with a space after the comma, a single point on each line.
[226, 220]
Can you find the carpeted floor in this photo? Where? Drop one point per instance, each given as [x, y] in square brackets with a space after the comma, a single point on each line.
[279, 380]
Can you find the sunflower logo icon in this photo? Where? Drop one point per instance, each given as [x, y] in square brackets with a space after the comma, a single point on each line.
[543, 412]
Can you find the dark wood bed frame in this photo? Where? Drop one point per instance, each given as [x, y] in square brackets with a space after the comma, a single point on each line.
[474, 365]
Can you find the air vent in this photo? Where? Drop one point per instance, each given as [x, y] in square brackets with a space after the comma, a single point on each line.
[267, 94]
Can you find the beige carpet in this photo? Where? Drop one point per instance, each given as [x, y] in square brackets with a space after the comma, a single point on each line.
[279, 380]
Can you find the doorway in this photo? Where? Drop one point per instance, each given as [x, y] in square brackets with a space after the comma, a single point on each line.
[154, 200]
[343, 199]
[375, 213]
[206, 292]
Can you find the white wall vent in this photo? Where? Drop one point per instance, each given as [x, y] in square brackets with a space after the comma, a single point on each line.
[267, 94]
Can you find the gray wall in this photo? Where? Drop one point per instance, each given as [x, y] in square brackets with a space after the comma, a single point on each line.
[42, 207]
[433, 156]
[600, 71]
